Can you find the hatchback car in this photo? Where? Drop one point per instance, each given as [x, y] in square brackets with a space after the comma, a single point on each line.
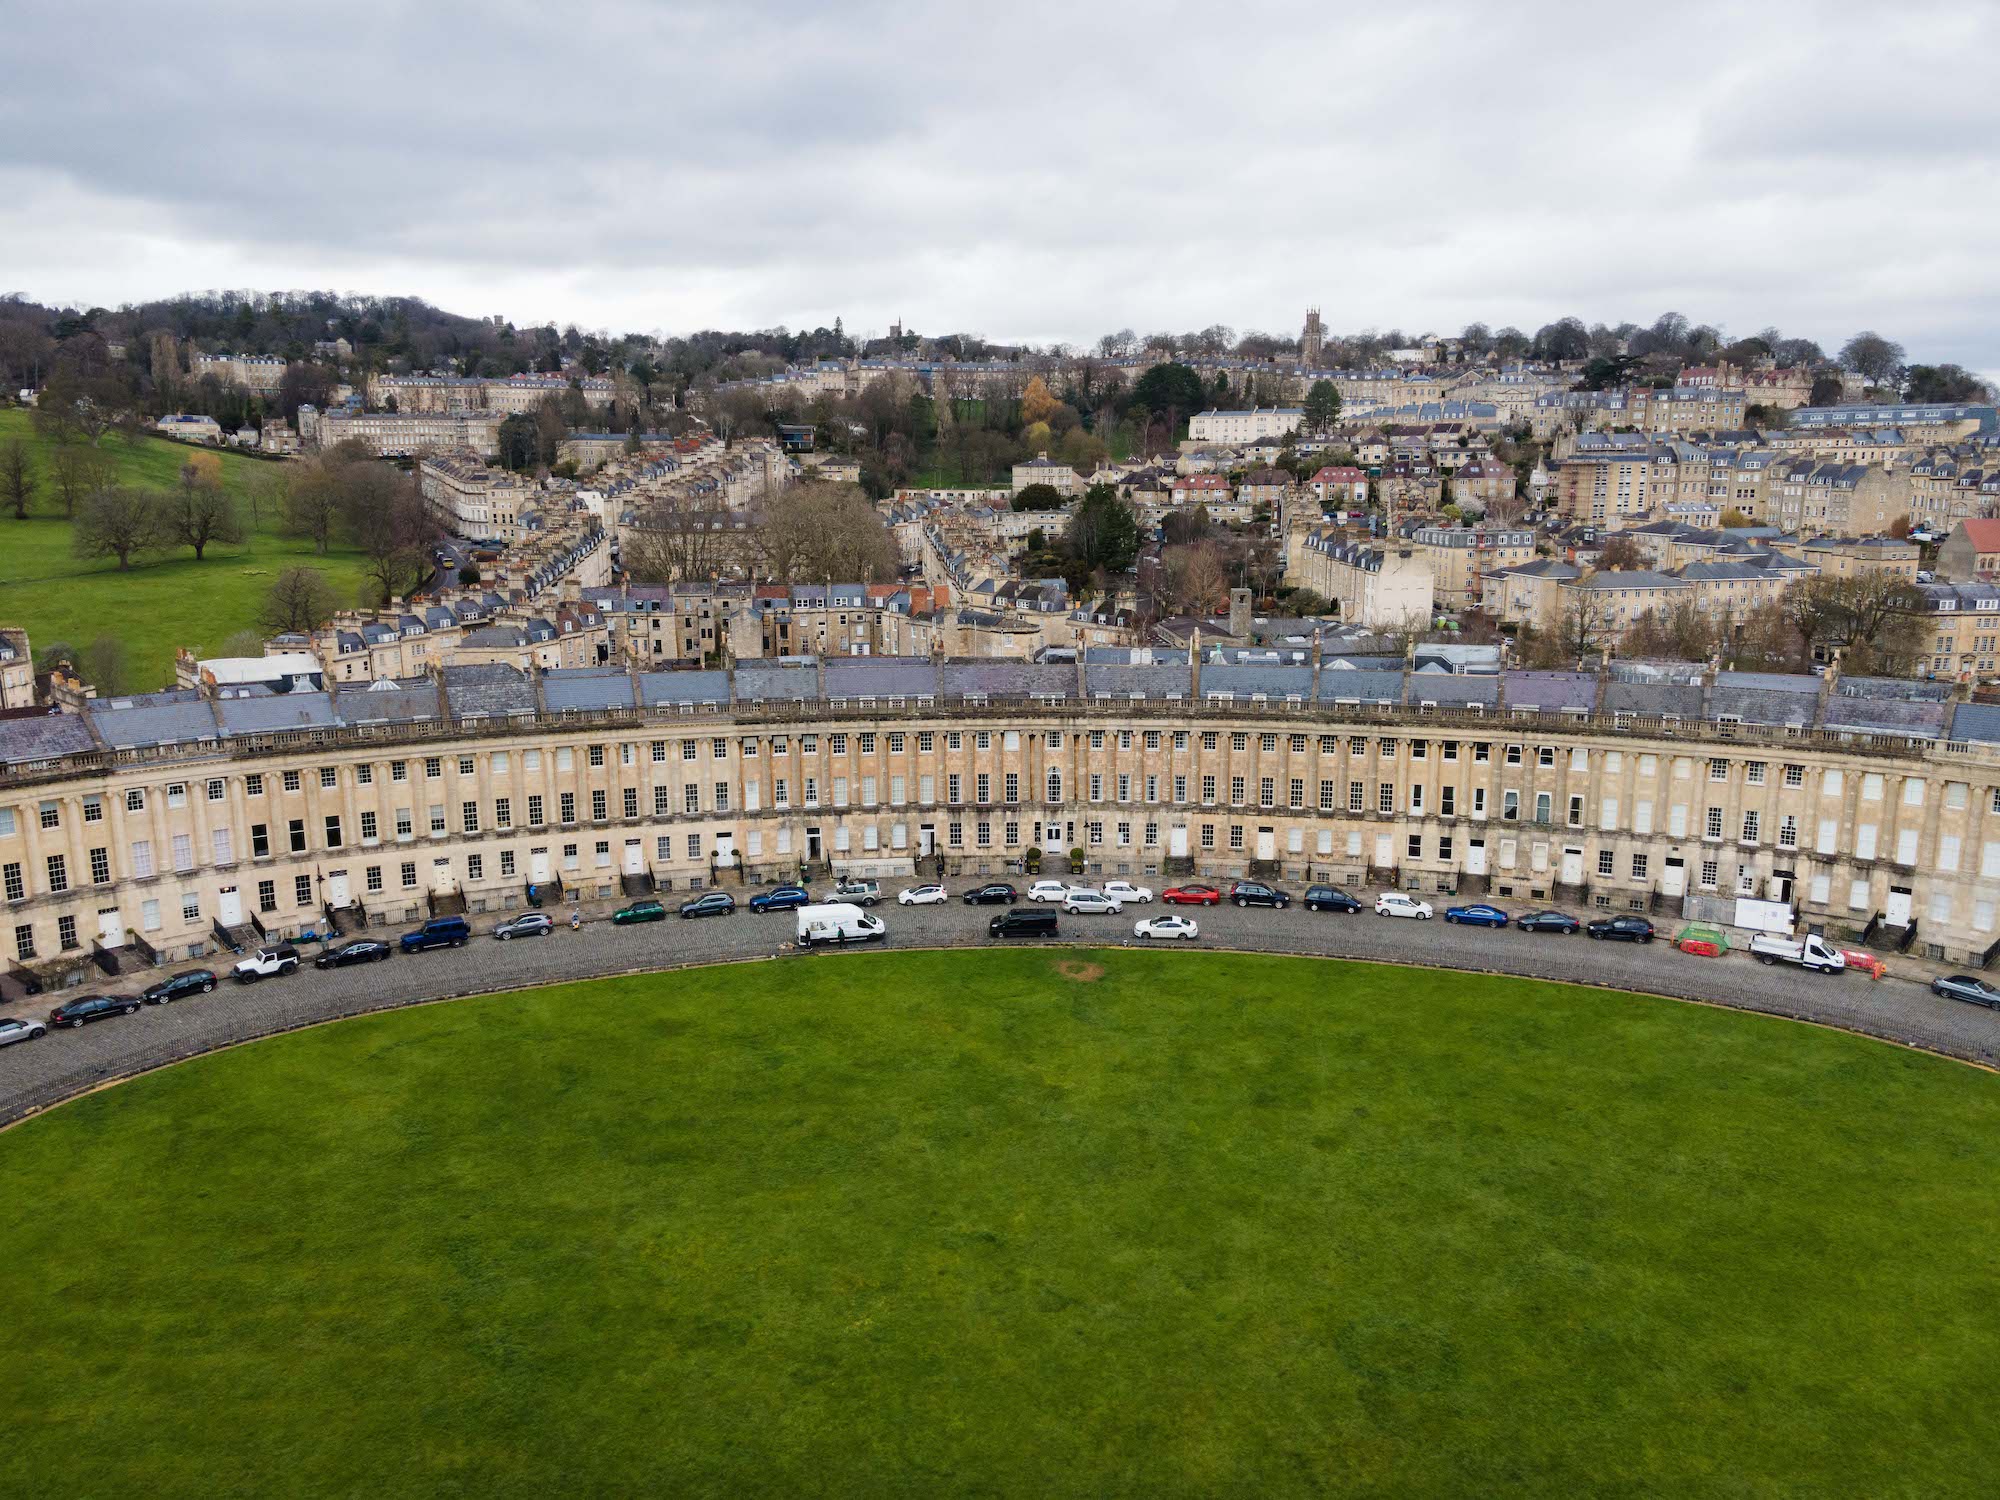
[1400, 904]
[1256, 893]
[1624, 929]
[1477, 915]
[87, 1008]
[528, 924]
[1967, 987]
[713, 904]
[12, 1031]
[360, 951]
[194, 982]
[1191, 895]
[783, 898]
[1051, 891]
[1169, 926]
[643, 911]
[1082, 901]
[1549, 921]
[1124, 890]
[1330, 898]
[922, 895]
[999, 892]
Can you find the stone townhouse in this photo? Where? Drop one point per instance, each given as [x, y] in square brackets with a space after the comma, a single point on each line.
[1463, 558]
[1041, 469]
[1851, 499]
[1483, 482]
[1962, 630]
[1266, 489]
[1340, 487]
[1971, 551]
[1854, 557]
[1388, 588]
[154, 828]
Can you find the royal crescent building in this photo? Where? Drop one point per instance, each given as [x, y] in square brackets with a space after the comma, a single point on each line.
[154, 828]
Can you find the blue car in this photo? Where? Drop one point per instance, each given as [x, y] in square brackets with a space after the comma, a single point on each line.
[781, 898]
[1478, 915]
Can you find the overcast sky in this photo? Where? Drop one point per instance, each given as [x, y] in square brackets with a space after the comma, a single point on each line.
[1023, 172]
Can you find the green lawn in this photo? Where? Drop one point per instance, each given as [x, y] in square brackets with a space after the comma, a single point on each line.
[1020, 1223]
[162, 603]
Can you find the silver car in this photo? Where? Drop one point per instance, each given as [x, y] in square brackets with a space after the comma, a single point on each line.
[528, 924]
[12, 1031]
[1081, 901]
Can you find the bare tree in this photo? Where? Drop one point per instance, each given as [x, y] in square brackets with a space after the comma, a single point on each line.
[78, 472]
[680, 536]
[116, 522]
[816, 532]
[265, 491]
[314, 502]
[1193, 578]
[299, 601]
[200, 511]
[385, 516]
[17, 479]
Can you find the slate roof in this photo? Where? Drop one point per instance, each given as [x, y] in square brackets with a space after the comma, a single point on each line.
[1365, 684]
[172, 718]
[585, 690]
[1551, 692]
[761, 683]
[270, 713]
[1977, 721]
[42, 737]
[656, 688]
[1008, 679]
[1248, 679]
[880, 677]
[1158, 683]
[409, 701]
[1455, 690]
[493, 689]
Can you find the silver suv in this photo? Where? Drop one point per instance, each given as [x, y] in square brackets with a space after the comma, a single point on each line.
[859, 892]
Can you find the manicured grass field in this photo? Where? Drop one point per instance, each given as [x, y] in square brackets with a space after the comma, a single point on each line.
[1014, 1223]
[166, 601]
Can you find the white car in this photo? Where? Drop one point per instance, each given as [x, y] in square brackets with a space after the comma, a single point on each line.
[1396, 904]
[922, 895]
[1166, 927]
[265, 962]
[1085, 902]
[1124, 890]
[1047, 890]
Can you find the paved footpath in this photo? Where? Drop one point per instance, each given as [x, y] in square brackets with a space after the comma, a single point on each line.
[34, 1075]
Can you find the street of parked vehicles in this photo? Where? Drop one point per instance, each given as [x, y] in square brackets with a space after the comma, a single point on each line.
[200, 1012]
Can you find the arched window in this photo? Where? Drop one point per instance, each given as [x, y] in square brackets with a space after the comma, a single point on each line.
[1055, 786]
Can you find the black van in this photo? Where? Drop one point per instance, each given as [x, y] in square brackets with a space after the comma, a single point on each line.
[1023, 924]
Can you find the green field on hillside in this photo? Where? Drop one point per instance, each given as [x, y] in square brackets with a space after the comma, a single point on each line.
[1013, 1223]
[165, 601]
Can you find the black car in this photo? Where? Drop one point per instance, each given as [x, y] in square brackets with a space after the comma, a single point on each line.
[360, 951]
[784, 898]
[990, 895]
[1548, 921]
[1330, 898]
[194, 982]
[714, 904]
[1256, 893]
[87, 1008]
[1621, 929]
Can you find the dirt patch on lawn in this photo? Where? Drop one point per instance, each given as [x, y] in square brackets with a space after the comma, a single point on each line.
[1080, 970]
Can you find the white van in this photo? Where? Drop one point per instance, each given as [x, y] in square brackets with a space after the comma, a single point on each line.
[838, 922]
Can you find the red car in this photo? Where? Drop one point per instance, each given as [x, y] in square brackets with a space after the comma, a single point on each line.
[1191, 895]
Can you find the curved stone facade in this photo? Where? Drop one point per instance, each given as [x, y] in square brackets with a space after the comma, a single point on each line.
[153, 822]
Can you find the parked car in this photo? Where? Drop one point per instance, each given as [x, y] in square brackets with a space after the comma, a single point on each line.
[1549, 921]
[1191, 895]
[1256, 893]
[1048, 890]
[838, 922]
[87, 1008]
[528, 924]
[193, 982]
[989, 895]
[438, 932]
[360, 951]
[1479, 914]
[1168, 926]
[265, 963]
[1401, 904]
[1330, 898]
[1620, 929]
[782, 898]
[857, 892]
[1124, 890]
[708, 904]
[1022, 924]
[1082, 901]
[1967, 987]
[12, 1031]
[922, 895]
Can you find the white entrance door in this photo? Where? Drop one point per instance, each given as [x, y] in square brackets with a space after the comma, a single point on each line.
[635, 857]
[1897, 912]
[443, 882]
[110, 929]
[1267, 844]
[538, 866]
[1572, 870]
[1177, 841]
[725, 850]
[1385, 850]
[337, 894]
[926, 839]
[229, 907]
[1674, 878]
[1475, 857]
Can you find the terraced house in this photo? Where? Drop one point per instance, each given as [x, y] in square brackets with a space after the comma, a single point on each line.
[154, 828]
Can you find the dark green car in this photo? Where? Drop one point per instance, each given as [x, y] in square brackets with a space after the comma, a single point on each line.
[640, 911]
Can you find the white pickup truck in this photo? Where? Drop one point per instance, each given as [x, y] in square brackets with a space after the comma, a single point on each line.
[1808, 952]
